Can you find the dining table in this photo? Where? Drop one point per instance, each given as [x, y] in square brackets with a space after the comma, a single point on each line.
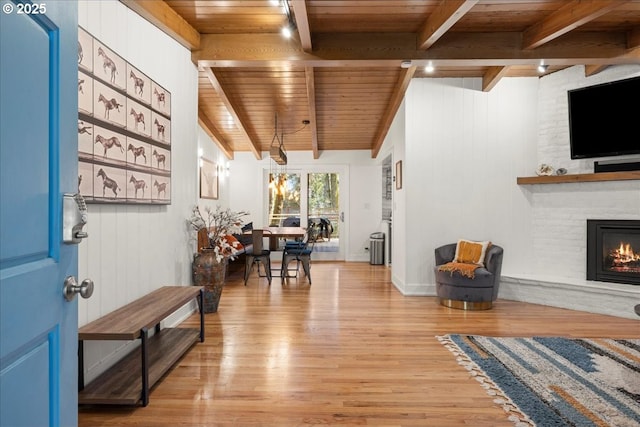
[275, 233]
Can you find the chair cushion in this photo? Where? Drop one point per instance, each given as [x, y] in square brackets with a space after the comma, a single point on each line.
[482, 279]
[293, 245]
[298, 251]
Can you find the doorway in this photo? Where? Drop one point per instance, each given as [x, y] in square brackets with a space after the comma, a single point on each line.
[310, 196]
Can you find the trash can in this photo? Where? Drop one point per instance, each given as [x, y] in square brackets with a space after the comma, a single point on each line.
[376, 248]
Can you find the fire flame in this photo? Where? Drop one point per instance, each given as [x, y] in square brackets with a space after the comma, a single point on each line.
[624, 254]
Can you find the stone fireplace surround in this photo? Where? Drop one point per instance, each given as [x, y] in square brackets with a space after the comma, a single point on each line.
[559, 212]
[557, 273]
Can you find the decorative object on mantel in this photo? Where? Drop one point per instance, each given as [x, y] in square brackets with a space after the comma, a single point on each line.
[561, 171]
[544, 170]
[209, 263]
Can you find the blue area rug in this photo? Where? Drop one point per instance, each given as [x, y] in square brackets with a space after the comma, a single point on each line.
[556, 381]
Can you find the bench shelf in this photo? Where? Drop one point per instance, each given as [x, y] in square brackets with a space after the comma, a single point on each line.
[155, 355]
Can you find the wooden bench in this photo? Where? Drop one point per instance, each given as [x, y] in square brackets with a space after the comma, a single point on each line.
[153, 358]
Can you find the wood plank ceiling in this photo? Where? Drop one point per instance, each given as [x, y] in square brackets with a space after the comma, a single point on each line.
[349, 62]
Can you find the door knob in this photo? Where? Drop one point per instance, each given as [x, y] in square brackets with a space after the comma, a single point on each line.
[71, 288]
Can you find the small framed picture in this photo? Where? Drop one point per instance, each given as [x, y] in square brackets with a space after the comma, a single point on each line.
[398, 174]
[208, 180]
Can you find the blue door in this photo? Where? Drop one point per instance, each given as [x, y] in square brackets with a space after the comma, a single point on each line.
[38, 163]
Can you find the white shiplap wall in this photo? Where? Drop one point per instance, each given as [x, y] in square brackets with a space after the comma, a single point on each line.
[463, 151]
[132, 250]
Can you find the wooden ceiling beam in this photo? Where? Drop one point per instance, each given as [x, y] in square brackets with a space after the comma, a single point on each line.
[441, 20]
[302, 22]
[569, 17]
[210, 129]
[311, 100]
[633, 38]
[492, 76]
[633, 44]
[234, 112]
[166, 19]
[390, 49]
[590, 70]
[392, 108]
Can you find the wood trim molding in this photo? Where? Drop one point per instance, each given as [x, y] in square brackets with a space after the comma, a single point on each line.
[167, 20]
[238, 119]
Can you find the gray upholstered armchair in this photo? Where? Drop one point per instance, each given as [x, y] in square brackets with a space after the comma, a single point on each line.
[477, 293]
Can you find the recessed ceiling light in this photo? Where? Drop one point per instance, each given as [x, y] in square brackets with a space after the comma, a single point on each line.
[542, 68]
[286, 31]
[405, 64]
[429, 68]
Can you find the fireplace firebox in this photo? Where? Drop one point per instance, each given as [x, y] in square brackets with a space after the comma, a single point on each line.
[613, 251]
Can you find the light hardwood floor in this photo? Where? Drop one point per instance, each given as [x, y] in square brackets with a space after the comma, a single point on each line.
[348, 350]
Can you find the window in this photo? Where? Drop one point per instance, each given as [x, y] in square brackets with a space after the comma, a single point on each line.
[284, 197]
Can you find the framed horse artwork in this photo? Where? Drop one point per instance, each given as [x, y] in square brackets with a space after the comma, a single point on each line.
[124, 129]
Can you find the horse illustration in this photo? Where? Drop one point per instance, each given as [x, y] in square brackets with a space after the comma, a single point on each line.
[137, 151]
[159, 96]
[160, 128]
[138, 184]
[138, 118]
[108, 63]
[82, 128]
[109, 104]
[138, 83]
[108, 143]
[159, 158]
[80, 54]
[80, 83]
[162, 188]
[108, 183]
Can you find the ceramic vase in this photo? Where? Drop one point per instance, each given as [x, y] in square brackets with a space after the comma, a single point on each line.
[210, 273]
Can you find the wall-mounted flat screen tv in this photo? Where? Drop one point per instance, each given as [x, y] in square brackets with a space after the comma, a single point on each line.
[604, 120]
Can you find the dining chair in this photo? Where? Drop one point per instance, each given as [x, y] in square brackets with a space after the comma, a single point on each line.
[300, 252]
[257, 254]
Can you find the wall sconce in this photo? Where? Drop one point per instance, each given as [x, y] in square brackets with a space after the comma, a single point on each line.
[223, 169]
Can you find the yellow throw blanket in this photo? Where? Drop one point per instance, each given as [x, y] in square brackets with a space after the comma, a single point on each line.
[467, 270]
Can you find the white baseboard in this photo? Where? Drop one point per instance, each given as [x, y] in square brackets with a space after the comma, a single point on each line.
[612, 299]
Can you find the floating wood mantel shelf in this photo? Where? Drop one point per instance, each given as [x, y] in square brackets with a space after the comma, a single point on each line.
[585, 177]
